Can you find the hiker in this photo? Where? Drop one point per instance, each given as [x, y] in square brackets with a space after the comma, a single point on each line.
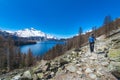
[92, 42]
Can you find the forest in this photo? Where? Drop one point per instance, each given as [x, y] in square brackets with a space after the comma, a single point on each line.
[11, 58]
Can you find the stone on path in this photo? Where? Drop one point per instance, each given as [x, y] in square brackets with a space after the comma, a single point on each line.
[88, 70]
[71, 68]
[92, 76]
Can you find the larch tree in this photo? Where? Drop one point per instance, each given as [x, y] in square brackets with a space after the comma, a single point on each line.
[29, 58]
[107, 21]
[80, 37]
[94, 29]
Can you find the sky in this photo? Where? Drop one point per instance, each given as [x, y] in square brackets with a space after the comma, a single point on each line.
[61, 18]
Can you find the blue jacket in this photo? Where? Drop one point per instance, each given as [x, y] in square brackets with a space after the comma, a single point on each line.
[91, 39]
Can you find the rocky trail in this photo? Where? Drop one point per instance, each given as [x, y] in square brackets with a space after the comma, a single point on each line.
[79, 64]
[84, 65]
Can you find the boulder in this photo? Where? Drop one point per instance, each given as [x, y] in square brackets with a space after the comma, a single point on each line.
[114, 67]
[45, 68]
[47, 75]
[40, 75]
[102, 49]
[17, 77]
[35, 77]
[114, 54]
[116, 42]
[38, 71]
[63, 62]
[26, 75]
[4, 71]
[60, 72]
[52, 74]
[43, 63]
[73, 52]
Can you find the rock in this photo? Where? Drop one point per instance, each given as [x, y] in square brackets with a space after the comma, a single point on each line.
[116, 42]
[45, 68]
[105, 64]
[78, 65]
[80, 53]
[114, 54]
[71, 68]
[114, 67]
[73, 52]
[3, 71]
[52, 74]
[83, 76]
[77, 50]
[93, 56]
[17, 77]
[92, 76]
[84, 59]
[55, 69]
[75, 61]
[100, 73]
[43, 63]
[42, 67]
[80, 69]
[63, 62]
[40, 75]
[116, 74]
[102, 49]
[27, 75]
[88, 70]
[59, 72]
[79, 72]
[35, 77]
[68, 56]
[38, 71]
[47, 75]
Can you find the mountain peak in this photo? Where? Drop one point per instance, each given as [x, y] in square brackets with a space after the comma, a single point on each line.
[27, 29]
[31, 32]
[32, 29]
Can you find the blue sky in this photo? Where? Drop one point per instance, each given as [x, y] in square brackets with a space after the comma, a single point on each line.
[58, 17]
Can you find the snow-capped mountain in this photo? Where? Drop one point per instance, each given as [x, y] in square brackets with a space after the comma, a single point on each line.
[32, 33]
[29, 33]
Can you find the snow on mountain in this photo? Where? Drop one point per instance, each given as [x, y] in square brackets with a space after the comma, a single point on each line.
[50, 37]
[32, 33]
[11, 32]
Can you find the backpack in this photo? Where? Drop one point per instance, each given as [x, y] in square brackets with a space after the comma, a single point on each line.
[91, 39]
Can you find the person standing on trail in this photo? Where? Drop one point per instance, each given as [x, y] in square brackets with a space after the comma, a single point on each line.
[92, 42]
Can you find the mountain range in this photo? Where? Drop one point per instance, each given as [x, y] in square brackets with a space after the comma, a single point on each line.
[28, 32]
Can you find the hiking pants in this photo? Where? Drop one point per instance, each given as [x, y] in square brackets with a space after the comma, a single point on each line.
[92, 47]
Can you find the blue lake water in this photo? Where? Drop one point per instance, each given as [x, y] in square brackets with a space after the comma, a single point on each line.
[40, 48]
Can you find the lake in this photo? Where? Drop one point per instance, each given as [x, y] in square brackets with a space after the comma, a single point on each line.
[41, 47]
